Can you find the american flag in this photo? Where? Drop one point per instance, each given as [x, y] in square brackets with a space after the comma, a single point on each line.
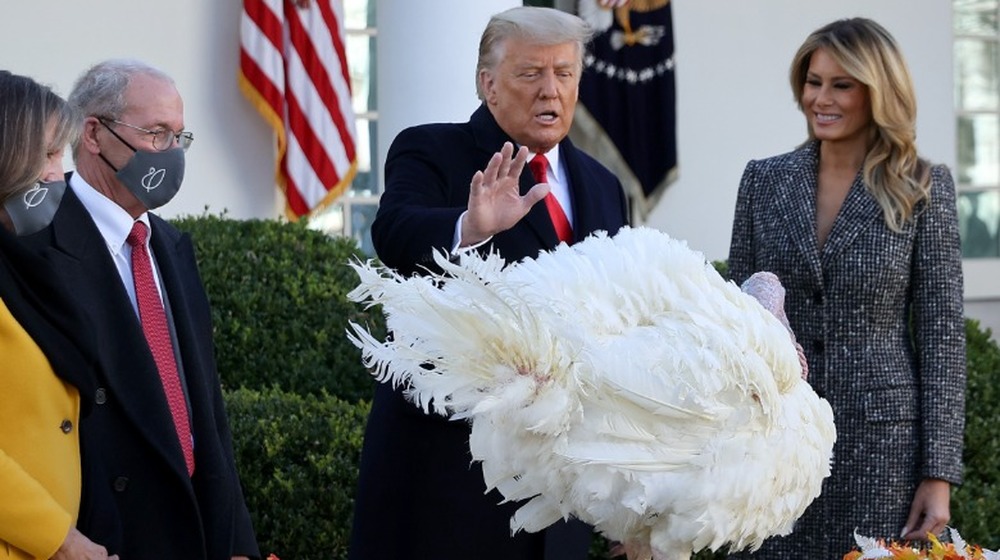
[293, 69]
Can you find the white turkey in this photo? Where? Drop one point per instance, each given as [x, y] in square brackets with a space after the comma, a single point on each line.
[621, 381]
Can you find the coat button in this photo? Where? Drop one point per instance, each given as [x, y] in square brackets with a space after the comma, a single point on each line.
[818, 346]
[101, 396]
[121, 484]
[66, 426]
[818, 297]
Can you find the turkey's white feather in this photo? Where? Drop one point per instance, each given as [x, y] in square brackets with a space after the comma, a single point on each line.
[619, 380]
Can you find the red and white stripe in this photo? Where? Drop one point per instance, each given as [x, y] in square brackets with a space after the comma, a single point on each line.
[293, 68]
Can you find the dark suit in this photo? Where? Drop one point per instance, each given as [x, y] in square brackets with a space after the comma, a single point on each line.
[419, 494]
[40, 303]
[162, 512]
[898, 401]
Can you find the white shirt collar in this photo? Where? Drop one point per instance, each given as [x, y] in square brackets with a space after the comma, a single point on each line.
[112, 220]
[552, 156]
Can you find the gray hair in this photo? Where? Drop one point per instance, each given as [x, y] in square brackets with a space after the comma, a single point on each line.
[100, 91]
[542, 26]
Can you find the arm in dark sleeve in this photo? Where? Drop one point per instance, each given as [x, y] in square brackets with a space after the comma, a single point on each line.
[741, 244]
[939, 329]
[423, 199]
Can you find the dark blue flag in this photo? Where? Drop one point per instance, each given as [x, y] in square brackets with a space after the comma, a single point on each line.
[626, 116]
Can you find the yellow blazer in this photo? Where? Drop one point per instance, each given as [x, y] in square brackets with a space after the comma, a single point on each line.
[40, 479]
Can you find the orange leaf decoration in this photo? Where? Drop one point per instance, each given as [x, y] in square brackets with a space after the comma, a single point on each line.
[937, 550]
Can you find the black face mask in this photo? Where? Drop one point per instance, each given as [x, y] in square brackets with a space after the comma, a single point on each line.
[153, 177]
[33, 209]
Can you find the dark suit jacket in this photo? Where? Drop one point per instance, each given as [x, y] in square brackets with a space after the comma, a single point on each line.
[419, 494]
[897, 401]
[41, 304]
[160, 511]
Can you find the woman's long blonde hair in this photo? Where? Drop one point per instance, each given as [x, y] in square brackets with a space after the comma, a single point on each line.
[896, 176]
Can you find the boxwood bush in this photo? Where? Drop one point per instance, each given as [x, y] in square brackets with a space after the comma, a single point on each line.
[976, 504]
[297, 394]
[278, 294]
[297, 456]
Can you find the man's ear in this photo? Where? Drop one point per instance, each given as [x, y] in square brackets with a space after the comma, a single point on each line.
[88, 137]
[486, 83]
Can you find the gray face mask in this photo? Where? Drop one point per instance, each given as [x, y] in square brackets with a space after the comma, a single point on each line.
[33, 209]
[153, 177]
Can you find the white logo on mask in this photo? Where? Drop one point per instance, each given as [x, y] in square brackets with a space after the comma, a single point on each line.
[35, 195]
[153, 178]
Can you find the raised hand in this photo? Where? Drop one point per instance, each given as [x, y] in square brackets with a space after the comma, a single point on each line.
[495, 201]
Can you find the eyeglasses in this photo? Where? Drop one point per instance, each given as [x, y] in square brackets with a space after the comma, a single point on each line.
[163, 138]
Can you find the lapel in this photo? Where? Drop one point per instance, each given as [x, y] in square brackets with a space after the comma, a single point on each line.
[489, 138]
[795, 199]
[34, 294]
[858, 212]
[128, 368]
[795, 192]
[585, 216]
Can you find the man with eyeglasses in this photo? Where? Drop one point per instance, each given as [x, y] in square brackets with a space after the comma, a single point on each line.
[157, 439]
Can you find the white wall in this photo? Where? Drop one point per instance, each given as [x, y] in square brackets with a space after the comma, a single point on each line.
[735, 104]
[427, 54]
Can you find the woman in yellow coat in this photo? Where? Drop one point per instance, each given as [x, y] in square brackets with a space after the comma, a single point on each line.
[43, 367]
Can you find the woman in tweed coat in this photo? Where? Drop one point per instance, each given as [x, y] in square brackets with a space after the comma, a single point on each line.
[863, 235]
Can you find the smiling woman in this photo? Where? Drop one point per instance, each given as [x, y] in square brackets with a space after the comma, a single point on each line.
[863, 234]
[835, 103]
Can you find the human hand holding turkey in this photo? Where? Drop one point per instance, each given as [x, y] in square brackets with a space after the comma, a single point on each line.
[495, 201]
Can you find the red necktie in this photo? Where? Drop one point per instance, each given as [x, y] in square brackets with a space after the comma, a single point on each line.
[564, 232]
[154, 326]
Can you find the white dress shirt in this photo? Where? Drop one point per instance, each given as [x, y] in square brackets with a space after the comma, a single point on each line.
[115, 223]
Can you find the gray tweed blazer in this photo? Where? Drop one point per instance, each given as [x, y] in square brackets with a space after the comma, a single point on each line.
[898, 395]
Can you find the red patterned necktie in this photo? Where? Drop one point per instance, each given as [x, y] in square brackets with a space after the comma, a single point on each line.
[154, 326]
[539, 165]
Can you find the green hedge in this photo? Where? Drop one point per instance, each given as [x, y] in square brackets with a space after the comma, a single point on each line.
[278, 295]
[297, 457]
[277, 292]
[976, 504]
